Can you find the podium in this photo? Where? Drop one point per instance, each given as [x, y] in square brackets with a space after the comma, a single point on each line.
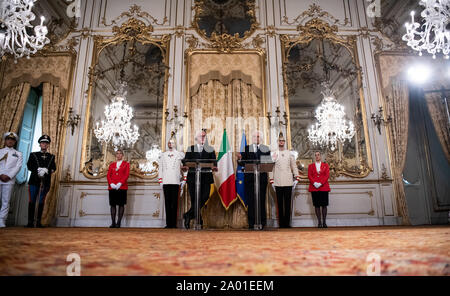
[256, 167]
[200, 166]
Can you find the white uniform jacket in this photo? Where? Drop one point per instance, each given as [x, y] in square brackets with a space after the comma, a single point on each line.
[10, 163]
[284, 169]
[170, 167]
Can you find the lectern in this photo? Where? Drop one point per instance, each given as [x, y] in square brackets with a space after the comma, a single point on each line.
[256, 167]
[200, 166]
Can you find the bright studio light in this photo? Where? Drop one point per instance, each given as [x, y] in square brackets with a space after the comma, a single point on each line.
[419, 73]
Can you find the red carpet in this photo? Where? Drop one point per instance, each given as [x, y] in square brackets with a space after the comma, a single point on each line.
[298, 251]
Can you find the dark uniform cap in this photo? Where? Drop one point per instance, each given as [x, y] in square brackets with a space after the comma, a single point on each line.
[44, 138]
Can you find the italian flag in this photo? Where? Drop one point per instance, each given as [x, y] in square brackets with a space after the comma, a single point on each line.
[225, 179]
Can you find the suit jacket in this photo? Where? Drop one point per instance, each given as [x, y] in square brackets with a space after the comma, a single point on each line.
[320, 177]
[118, 176]
[41, 160]
[193, 153]
[263, 153]
[284, 169]
[10, 164]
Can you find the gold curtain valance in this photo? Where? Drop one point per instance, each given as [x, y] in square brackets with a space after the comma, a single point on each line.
[225, 68]
[55, 69]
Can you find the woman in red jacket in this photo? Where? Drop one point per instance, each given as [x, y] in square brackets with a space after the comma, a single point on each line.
[318, 174]
[117, 176]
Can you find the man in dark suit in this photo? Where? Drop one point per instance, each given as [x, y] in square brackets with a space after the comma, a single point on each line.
[200, 150]
[256, 151]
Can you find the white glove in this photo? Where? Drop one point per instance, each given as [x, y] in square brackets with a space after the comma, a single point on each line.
[273, 186]
[317, 185]
[118, 186]
[182, 184]
[295, 183]
[161, 185]
[112, 185]
[41, 172]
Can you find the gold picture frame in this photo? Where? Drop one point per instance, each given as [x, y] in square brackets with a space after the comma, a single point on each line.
[133, 30]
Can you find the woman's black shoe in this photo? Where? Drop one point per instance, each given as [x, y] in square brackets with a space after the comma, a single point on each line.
[113, 225]
[325, 225]
[320, 225]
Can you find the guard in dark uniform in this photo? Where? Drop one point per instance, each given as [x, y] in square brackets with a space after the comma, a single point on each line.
[42, 165]
[198, 151]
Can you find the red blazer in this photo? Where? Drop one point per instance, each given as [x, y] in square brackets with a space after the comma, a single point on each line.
[120, 176]
[321, 177]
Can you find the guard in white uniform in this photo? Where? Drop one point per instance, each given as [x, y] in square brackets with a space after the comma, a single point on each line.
[169, 179]
[10, 164]
[282, 178]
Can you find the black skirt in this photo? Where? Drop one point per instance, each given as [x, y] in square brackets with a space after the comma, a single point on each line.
[320, 198]
[117, 197]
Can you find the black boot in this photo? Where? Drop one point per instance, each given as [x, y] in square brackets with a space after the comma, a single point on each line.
[187, 220]
[39, 215]
[31, 207]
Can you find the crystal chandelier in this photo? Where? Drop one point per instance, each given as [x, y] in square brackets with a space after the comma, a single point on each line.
[152, 157]
[435, 36]
[15, 18]
[117, 127]
[331, 126]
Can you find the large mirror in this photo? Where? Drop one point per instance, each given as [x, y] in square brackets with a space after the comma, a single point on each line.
[315, 57]
[217, 17]
[137, 63]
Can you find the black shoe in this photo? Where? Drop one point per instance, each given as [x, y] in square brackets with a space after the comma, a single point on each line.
[320, 225]
[187, 221]
[112, 225]
[118, 225]
[39, 225]
[31, 209]
[324, 225]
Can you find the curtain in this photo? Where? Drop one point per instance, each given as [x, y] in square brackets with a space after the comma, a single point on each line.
[53, 106]
[398, 107]
[11, 109]
[438, 113]
[233, 106]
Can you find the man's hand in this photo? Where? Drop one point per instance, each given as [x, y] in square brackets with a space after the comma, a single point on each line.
[215, 169]
[239, 156]
[4, 178]
[41, 172]
[184, 168]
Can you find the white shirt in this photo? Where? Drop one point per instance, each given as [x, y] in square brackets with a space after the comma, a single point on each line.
[318, 166]
[255, 147]
[118, 164]
[199, 148]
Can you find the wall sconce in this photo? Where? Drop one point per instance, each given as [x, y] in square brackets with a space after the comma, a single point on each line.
[277, 117]
[72, 120]
[378, 119]
[177, 121]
